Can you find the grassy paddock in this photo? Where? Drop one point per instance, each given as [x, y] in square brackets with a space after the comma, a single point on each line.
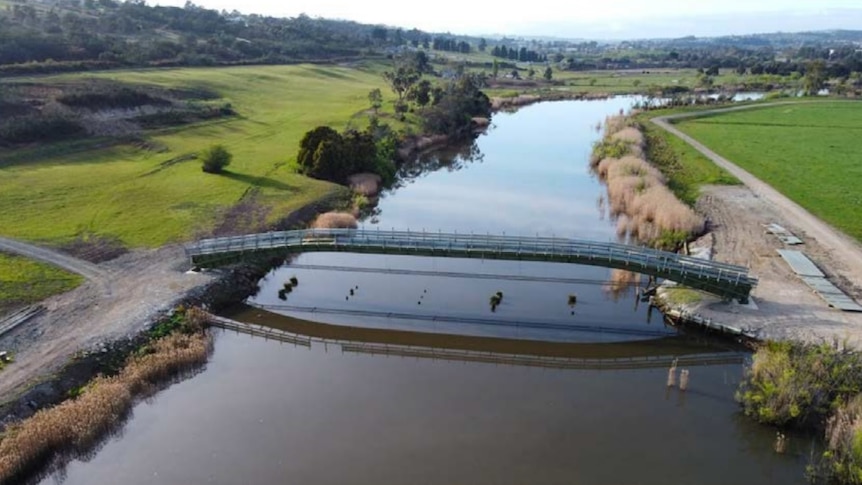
[23, 281]
[808, 152]
[142, 197]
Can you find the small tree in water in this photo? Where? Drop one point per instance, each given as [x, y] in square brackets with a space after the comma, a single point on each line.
[215, 159]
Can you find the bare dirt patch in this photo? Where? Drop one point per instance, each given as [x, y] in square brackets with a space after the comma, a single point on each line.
[784, 308]
[94, 248]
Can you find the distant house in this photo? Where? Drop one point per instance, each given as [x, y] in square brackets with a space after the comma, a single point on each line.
[449, 74]
[400, 49]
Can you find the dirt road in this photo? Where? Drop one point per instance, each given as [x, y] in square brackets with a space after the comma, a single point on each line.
[86, 269]
[120, 298]
[785, 307]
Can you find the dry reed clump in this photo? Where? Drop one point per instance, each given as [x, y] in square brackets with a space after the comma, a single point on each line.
[638, 198]
[617, 123]
[367, 184]
[842, 460]
[77, 424]
[335, 220]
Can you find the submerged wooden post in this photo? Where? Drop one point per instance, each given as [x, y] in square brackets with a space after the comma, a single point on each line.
[671, 375]
[683, 380]
[780, 443]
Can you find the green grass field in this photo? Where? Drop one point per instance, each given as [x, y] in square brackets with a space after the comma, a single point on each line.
[687, 169]
[615, 82]
[23, 281]
[52, 194]
[808, 152]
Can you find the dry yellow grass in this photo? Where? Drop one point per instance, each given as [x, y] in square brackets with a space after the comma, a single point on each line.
[843, 459]
[78, 423]
[367, 184]
[617, 123]
[335, 220]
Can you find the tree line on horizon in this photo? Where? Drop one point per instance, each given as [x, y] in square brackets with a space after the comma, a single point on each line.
[68, 35]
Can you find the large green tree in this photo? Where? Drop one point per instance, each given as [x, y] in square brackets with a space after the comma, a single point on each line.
[401, 80]
[375, 97]
[815, 77]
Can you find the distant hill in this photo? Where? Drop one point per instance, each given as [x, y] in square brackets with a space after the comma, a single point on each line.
[42, 36]
[80, 34]
[777, 40]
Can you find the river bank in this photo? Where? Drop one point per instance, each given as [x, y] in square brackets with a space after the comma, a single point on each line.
[521, 100]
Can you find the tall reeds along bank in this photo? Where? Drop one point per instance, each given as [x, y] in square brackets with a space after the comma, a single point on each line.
[645, 210]
[76, 425]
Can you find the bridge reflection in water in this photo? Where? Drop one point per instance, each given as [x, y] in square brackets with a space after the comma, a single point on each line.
[644, 354]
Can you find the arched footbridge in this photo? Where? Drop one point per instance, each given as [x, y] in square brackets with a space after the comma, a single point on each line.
[725, 280]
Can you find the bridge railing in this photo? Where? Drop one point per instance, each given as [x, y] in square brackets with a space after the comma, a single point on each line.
[560, 247]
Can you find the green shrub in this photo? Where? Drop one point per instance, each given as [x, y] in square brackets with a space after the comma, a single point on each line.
[215, 159]
[610, 148]
[799, 384]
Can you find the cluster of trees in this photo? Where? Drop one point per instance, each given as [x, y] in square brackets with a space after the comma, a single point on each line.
[839, 61]
[445, 108]
[522, 55]
[451, 45]
[454, 106]
[329, 155]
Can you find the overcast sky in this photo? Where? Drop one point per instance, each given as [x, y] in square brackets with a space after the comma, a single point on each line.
[595, 19]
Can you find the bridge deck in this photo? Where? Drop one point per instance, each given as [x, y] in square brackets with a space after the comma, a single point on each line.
[725, 280]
